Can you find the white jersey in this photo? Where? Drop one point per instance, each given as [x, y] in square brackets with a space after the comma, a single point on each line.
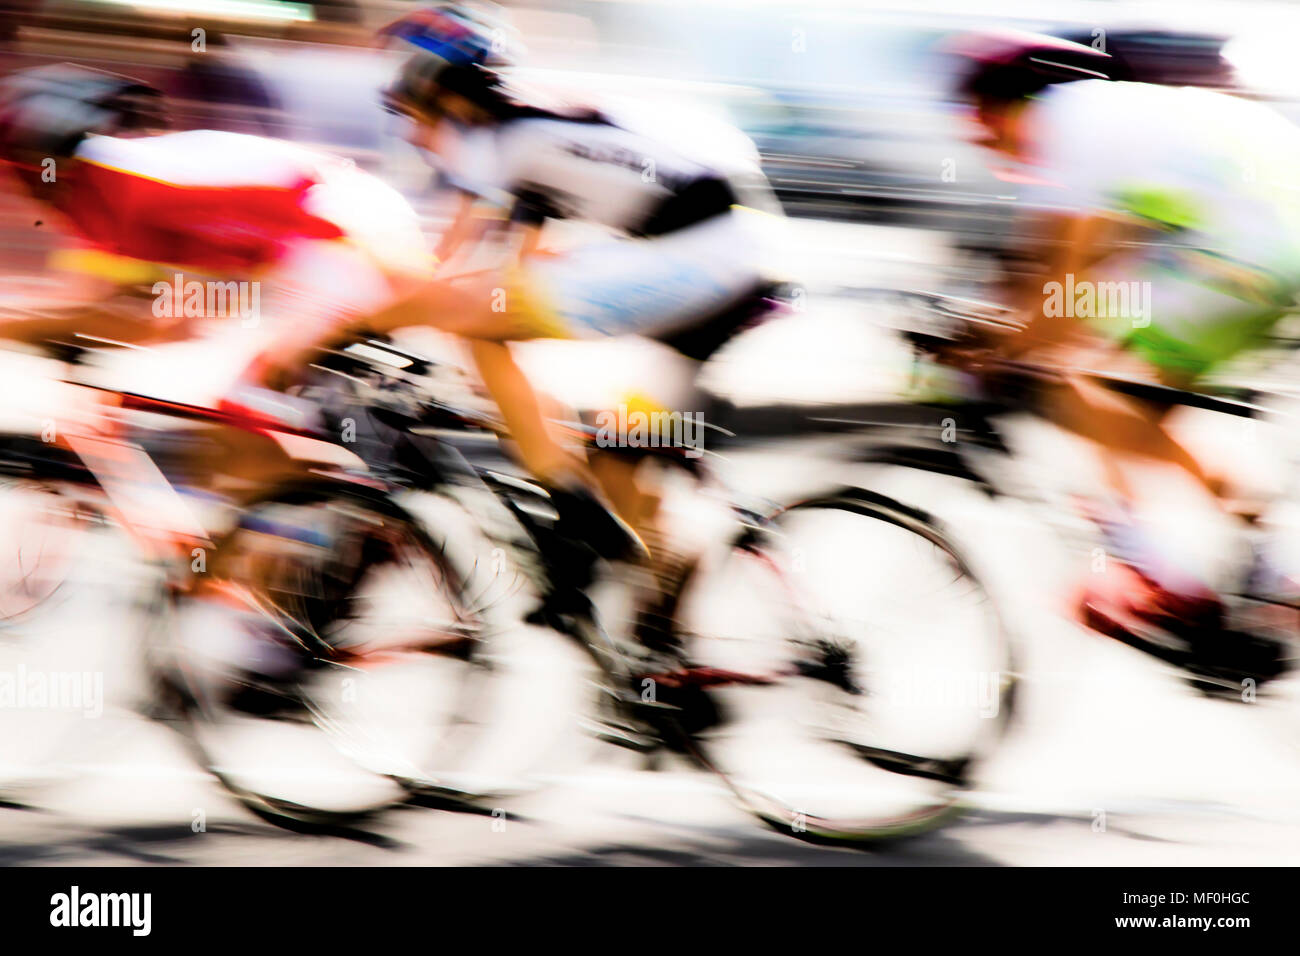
[205, 157]
[692, 255]
[1223, 169]
[1218, 180]
[590, 171]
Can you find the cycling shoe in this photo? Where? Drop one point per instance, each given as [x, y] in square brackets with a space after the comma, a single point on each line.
[582, 517]
[1189, 631]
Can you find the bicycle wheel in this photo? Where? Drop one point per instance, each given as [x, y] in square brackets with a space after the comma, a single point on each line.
[71, 585]
[886, 673]
[325, 659]
[40, 525]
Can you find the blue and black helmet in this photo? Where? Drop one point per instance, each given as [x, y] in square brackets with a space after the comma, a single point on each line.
[456, 52]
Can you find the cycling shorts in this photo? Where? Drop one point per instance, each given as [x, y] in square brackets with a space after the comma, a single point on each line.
[645, 287]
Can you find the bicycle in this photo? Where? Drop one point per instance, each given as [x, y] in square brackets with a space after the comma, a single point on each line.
[74, 492]
[120, 471]
[1228, 661]
[796, 665]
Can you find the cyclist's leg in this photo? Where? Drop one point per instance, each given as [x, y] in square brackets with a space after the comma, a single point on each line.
[539, 451]
[629, 488]
[648, 287]
[1119, 426]
[1188, 327]
[1182, 328]
[96, 295]
[316, 285]
[660, 386]
[610, 289]
[607, 289]
[635, 492]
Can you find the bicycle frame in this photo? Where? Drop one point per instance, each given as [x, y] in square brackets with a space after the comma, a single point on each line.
[135, 488]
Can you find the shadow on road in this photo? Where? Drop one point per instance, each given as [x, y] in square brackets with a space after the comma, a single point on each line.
[743, 846]
[752, 845]
[172, 845]
[656, 843]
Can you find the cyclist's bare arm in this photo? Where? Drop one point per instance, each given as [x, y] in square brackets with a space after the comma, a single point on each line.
[1073, 244]
[86, 307]
[471, 305]
[466, 226]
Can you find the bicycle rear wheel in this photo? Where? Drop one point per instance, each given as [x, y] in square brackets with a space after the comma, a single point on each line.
[889, 674]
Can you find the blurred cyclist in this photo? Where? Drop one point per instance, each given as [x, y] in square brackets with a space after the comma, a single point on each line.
[684, 251]
[1173, 235]
[140, 207]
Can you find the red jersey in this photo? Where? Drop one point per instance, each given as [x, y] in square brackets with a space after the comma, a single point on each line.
[211, 201]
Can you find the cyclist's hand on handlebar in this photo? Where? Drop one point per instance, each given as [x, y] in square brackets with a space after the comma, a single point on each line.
[968, 357]
[285, 362]
[1016, 345]
[972, 350]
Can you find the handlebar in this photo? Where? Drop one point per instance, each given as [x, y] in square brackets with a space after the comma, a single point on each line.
[361, 355]
[964, 320]
[392, 383]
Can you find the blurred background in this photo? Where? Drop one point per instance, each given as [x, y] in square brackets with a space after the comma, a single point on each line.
[847, 103]
[845, 100]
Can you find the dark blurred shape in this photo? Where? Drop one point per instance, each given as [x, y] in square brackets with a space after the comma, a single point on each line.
[216, 89]
[12, 15]
[47, 111]
[209, 84]
[1167, 57]
[1011, 65]
[338, 11]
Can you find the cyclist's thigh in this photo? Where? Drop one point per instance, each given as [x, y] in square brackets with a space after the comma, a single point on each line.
[318, 283]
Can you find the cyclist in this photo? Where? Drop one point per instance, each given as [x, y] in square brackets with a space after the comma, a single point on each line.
[1175, 225]
[684, 251]
[145, 209]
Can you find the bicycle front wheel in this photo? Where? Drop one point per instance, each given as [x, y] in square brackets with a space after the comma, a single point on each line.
[884, 672]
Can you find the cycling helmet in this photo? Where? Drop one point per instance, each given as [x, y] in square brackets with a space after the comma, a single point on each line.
[457, 52]
[1012, 65]
[47, 111]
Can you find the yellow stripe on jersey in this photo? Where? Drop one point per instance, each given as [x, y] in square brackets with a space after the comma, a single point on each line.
[532, 309]
[123, 270]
